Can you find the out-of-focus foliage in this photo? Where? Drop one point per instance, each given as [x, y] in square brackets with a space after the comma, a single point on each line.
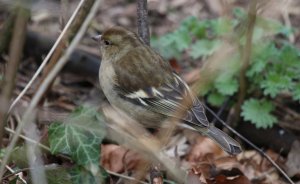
[274, 64]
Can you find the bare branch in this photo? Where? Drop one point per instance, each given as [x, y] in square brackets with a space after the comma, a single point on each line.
[142, 21]
[15, 54]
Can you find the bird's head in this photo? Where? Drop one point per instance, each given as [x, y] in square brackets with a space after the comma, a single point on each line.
[117, 41]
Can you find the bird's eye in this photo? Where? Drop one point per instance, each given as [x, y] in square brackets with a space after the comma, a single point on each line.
[106, 42]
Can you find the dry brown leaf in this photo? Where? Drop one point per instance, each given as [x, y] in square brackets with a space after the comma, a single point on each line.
[293, 160]
[203, 147]
[117, 159]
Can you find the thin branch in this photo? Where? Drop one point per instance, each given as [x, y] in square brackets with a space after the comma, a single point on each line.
[58, 41]
[14, 173]
[251, 144]
[142, 21]
[50, 77]
[125, 177]
[219, 113]
[246, 54]
[34, 154]
[75, 25]
[6, 31]
[28, 139]
[15, 54]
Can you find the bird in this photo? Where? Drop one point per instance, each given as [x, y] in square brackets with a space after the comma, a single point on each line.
[139, 82]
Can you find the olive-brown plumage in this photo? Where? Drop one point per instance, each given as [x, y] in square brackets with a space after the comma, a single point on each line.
[136, 80]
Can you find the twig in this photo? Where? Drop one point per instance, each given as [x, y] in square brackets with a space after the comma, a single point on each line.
[58, 41]
[34, 154]
[14, 173]
[28, 139]
[125, 177]
[286, 19]
[15, 54]
[75, 25]
[219, 113]
[245, 60]
[251, 144]
[6, 31]
[50, 77]
[140, 140]
[142, 21]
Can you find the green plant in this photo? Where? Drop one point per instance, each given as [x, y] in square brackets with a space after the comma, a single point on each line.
[79, 137]
[274, 65]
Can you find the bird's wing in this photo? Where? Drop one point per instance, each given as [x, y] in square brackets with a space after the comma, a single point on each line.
[172, 98]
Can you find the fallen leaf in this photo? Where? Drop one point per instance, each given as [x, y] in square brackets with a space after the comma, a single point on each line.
[202, 147]
[293, 160]
[117, 159]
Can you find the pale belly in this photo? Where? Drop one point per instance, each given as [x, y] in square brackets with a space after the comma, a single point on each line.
[148, 118]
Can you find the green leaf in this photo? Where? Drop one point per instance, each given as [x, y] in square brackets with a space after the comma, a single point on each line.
[226, 86]
[239, 13]
[296, 92]
[204, 48]
[216, 99]
[182, 38]
[269, 26]
[81, 175]
[275, 83]
[258, 112]
[79, 136]
[58, 175]
[190, 22]
[221, 26]
[290, 55]
[263, 53]
[200, 29]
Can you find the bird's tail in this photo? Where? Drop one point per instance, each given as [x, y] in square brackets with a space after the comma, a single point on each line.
[227, 143]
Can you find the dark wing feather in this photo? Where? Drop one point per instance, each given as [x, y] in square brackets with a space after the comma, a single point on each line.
[172, 98]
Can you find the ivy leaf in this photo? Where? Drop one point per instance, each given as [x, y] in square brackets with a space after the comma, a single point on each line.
[79, 136]
[258, 112]
[82, 175]
[58, 175]
[204, 48]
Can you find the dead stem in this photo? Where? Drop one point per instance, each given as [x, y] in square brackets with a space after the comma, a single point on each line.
[246, 56]
[15, 54]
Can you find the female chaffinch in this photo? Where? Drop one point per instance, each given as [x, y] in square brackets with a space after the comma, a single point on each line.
[137, 80]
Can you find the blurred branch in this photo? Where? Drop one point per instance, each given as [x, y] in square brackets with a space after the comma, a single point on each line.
[246, 54]
[15, 54]
[38, 95]
[125, 177]
[55, 47]
[74, 27]
[126, 131]
[6, 31]
[142, 21]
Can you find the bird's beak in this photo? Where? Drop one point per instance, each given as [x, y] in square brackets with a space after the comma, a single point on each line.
[96, 38]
